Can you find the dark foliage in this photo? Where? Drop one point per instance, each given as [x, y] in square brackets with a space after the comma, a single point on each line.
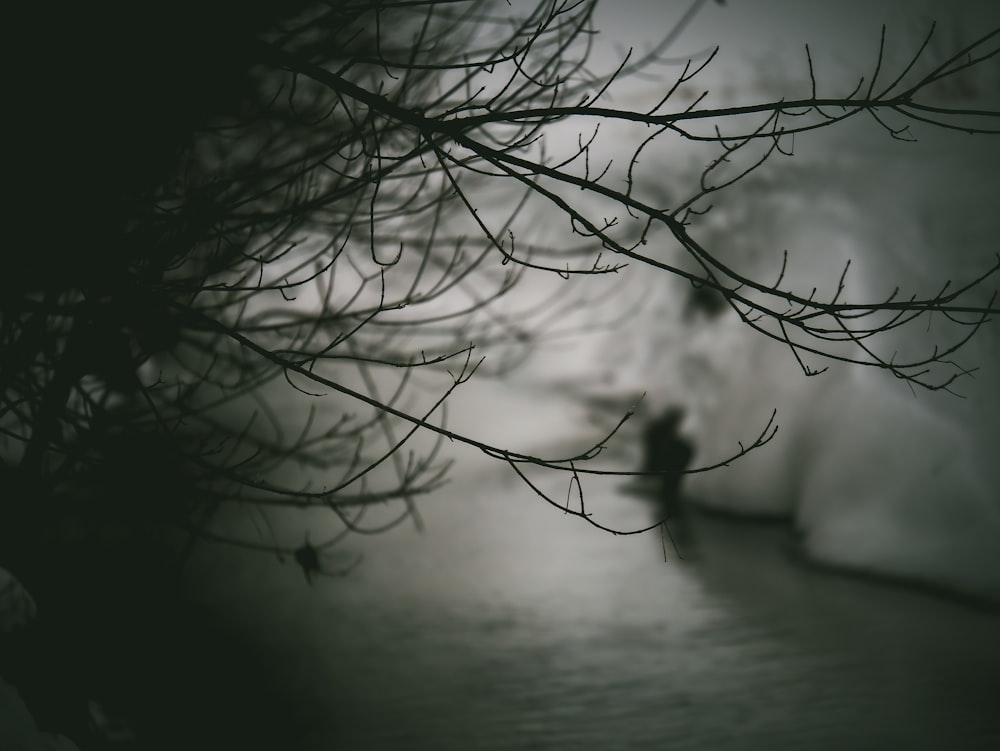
[227, 210]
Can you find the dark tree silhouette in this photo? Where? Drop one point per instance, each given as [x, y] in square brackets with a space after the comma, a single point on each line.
[260, 246]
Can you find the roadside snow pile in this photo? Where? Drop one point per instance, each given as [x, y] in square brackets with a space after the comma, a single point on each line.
[874, 476]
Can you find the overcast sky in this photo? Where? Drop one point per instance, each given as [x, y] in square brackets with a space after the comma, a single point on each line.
[844, 33]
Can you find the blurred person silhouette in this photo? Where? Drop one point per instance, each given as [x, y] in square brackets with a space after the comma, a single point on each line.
[667, 451]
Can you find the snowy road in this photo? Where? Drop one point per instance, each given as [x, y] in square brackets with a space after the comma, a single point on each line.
[507, 625]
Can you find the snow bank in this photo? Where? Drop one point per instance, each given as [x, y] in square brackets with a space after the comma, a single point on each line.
[892, 488]
[875, 477]
[872, 477]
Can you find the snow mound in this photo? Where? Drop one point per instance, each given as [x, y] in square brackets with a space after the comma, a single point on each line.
[874, 476]
[892, 488]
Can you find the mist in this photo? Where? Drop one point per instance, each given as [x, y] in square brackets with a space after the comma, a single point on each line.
[832, 582]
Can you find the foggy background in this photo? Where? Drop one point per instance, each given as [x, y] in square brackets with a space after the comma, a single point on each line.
[505, 624]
